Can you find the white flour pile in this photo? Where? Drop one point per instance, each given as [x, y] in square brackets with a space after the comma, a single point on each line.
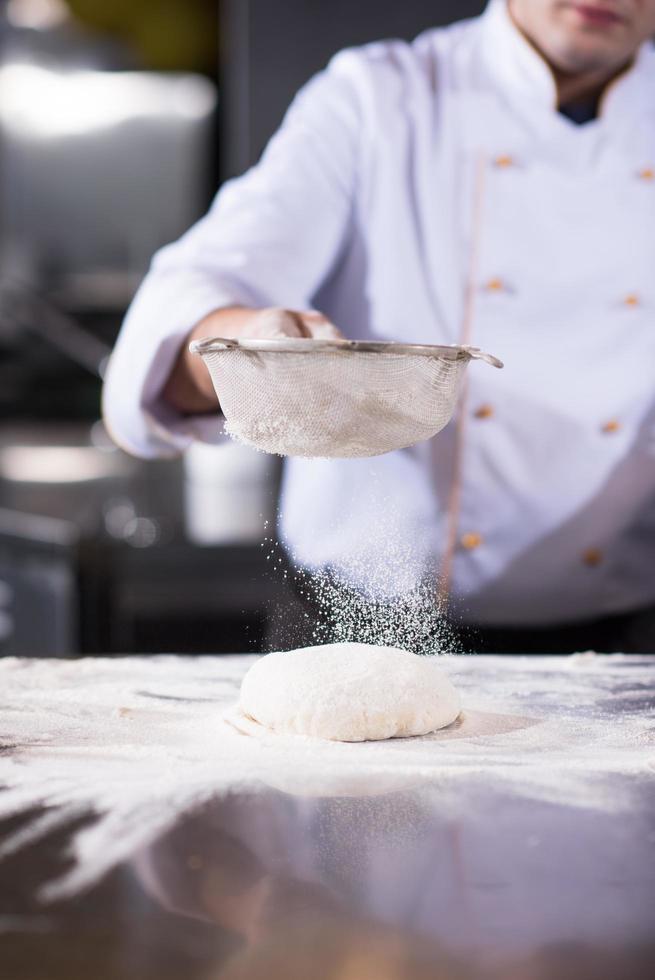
[138, 741]
[349, 692]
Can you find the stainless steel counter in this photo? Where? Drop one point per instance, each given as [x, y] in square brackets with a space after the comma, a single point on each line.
[147, 833]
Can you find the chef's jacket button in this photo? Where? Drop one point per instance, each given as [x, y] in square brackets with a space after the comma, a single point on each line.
[484, 412]
[647, 173]
[503, 161]
[610, 427]
[631, 300]
[471, 541]
[592, 557]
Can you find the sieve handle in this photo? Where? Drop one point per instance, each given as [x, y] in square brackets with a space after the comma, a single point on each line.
[306, 345]
[209, 344]
[479, 355]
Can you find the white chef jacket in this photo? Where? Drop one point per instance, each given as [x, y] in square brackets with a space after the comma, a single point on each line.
[405, 178]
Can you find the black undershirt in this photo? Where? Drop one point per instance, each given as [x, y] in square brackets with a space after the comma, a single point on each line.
[581, 112]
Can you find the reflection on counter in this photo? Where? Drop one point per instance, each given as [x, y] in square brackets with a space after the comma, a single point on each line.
[201, 902]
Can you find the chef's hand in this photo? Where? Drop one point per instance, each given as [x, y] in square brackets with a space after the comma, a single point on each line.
[189, 389]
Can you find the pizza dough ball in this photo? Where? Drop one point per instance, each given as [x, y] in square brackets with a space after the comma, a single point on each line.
[349, 692]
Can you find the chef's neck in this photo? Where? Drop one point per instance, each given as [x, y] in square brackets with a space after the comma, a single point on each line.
[583, 87]
[573, 86]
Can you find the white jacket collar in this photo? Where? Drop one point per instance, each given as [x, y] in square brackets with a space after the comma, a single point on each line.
[526, 78]
[513, 62]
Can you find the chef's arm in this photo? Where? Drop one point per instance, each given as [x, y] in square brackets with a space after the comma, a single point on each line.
[268, 243]
[189, 390]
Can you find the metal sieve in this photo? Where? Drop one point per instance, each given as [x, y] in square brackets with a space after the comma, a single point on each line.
[334, 398]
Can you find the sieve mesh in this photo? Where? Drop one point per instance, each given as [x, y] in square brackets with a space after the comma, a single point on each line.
[297, 397]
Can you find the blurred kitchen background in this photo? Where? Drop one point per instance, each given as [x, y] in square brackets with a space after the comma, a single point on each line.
[118, 121]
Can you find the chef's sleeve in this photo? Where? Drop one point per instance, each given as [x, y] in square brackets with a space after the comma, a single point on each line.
[270, 239]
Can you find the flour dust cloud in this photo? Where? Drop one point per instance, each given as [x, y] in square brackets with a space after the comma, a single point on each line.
[381, 587]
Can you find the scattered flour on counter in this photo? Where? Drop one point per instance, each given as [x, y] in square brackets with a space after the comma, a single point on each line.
[137, 741]
[349, 692]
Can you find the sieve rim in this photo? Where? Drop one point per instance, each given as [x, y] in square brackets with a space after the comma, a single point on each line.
[306, 345]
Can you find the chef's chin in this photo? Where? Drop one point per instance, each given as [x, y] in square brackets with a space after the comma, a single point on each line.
[583, 36]
[573, 55]
[581, 44]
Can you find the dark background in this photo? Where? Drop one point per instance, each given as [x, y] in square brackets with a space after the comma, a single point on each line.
[269, 49]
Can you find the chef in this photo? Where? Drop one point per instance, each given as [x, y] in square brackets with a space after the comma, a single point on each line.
[492, 183]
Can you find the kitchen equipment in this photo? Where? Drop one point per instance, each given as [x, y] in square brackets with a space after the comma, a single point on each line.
[91, 147]
[95, 554]
[230, 494]
[334, 398]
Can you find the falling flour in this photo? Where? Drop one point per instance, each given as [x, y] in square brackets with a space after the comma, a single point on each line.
[386, 596]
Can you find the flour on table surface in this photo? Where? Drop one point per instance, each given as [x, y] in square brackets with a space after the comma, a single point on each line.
[138, 741]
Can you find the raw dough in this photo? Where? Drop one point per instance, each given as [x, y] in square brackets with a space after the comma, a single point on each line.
[349, 692]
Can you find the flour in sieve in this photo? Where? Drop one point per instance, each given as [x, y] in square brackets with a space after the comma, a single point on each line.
[331, 403]
[287, 435]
